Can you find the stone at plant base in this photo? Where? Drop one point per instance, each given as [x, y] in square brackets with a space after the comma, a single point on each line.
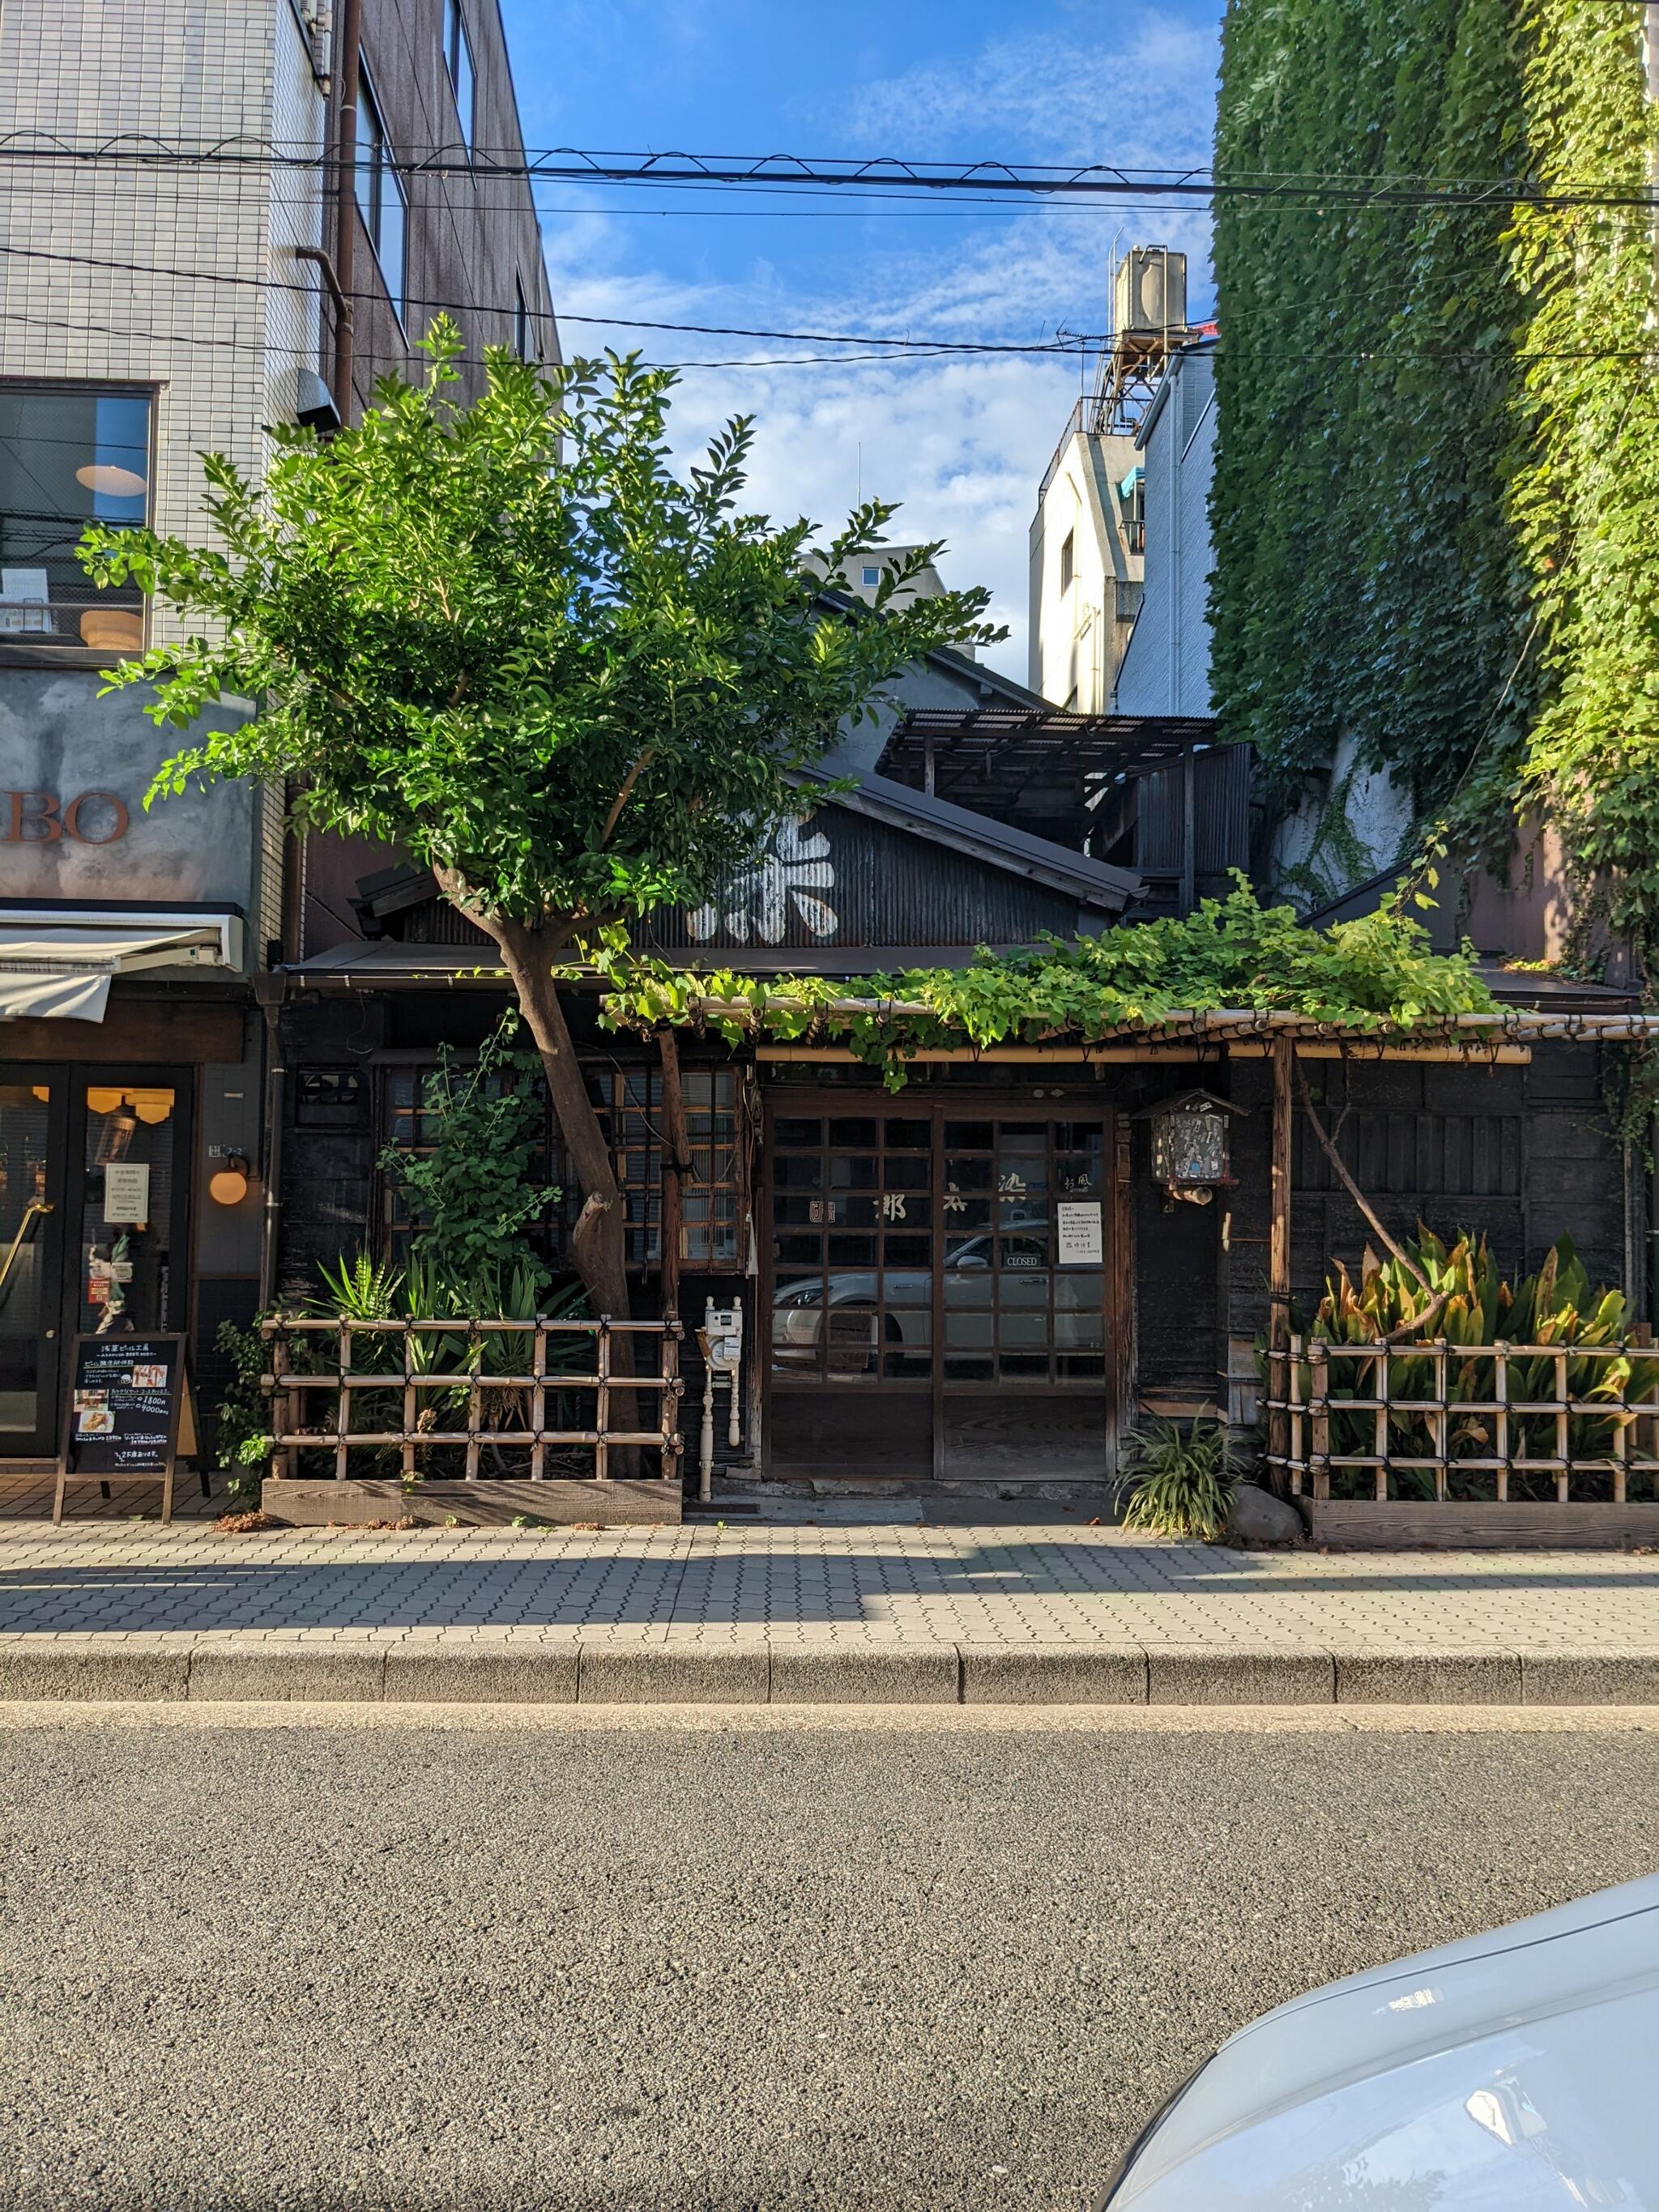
[1256, 1516]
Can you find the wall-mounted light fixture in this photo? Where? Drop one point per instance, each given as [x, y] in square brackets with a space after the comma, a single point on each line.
[228, 1183]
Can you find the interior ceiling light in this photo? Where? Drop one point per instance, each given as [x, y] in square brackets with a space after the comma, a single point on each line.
[106, 477]
[102, 1102]
[151, 1106]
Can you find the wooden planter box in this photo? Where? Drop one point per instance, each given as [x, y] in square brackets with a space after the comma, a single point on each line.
[1485, 1526]
[302, 1503]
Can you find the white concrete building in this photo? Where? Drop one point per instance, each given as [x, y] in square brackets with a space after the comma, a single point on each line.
[1085, 564]
[1165, 666]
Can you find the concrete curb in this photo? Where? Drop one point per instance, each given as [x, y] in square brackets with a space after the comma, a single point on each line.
[228, 1668]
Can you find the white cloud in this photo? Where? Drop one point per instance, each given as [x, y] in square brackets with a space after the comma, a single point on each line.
[962, 444]
[1142, 99]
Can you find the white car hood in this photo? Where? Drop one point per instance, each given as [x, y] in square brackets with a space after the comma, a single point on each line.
[1514, 2071]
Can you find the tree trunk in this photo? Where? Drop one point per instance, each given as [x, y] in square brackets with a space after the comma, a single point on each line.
[597, 1244]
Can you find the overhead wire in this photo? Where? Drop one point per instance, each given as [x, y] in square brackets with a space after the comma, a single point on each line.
[878, 175]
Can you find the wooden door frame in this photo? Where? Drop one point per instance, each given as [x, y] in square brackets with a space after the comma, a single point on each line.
[43, 1441]
[1065, 1102]
[128, 1075]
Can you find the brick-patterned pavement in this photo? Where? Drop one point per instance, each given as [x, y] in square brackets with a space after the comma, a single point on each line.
[808, 1582]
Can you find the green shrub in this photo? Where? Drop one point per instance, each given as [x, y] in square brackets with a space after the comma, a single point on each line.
[1180, 1485]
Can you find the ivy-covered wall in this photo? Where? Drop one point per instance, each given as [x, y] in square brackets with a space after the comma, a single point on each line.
[1435, 504]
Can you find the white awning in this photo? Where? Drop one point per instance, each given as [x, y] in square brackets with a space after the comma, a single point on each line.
[59, 963]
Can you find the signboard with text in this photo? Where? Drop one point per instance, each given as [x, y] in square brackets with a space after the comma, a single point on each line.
[122, 1416]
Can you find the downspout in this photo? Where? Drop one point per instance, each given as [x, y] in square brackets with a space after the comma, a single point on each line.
[271, 990]
[345, 198]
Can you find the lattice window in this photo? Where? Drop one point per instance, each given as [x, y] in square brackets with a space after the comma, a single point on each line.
[629, 1102]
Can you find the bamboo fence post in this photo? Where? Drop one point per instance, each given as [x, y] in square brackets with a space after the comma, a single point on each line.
[1293, 1395]
[1563, 1455]
[411, 1406]
[1380, 1442]
[1623, 1421]
[668, 1399]
[602, 1399]
[1439, 1423]
[538, 1401]
[343, 1411]
[1500, 1391]
[474, 1397]
[1319, 1399]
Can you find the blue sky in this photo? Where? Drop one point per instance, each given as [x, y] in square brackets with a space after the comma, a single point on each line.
[962, 443]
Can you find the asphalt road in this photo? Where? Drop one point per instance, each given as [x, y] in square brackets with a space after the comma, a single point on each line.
[712, 1963]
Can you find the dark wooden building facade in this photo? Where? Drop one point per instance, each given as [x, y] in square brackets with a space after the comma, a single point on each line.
[975, 1279]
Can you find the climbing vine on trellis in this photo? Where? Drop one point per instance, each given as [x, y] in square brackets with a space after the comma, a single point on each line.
[1375, 972]
[1436, 487]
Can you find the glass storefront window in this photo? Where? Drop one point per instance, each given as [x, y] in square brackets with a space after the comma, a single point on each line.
[127, 1209]
[25, 1295]
[69, 455]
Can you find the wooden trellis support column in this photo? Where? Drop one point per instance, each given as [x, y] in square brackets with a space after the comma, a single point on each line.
[1278, 1265]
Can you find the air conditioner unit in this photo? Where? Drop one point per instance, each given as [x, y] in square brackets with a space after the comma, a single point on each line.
[1149, 296]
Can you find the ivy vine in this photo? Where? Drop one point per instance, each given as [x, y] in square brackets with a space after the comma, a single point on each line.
[1438, 467]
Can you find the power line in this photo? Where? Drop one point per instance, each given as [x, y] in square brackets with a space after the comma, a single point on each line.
[880, 174]
[1065, 350]
[1069, 342]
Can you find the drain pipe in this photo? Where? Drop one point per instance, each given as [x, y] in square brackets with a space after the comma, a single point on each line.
[271, 990]
[345, 199]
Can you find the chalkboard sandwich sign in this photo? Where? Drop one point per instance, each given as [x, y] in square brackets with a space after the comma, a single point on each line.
[121, 1423]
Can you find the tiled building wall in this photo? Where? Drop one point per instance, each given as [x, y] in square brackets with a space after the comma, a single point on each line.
[472, 238]
[155, 275]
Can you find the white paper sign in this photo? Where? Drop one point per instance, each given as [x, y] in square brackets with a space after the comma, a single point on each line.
[126, 1191]
[1080, 1245]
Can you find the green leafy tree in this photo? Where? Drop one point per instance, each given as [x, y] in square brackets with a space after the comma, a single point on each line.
[509, 639]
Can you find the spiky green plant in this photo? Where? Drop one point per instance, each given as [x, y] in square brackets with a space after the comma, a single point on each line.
[1180, 1482]
[1556, 1306]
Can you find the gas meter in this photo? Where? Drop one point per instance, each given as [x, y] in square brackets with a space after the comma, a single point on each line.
[720, 1341]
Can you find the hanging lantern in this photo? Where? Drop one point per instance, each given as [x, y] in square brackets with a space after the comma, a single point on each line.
[1190, 1153]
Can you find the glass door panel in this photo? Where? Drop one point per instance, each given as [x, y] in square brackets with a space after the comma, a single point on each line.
[31, 1197]
[129, 1276]
[938, 1289]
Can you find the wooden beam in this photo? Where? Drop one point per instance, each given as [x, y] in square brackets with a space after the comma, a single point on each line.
[675, 1166]
[1278, 1255]
[1004, 1055]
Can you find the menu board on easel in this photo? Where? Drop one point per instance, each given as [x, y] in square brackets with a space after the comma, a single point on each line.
[122, 1420]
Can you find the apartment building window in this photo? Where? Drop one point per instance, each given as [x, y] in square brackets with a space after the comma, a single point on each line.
[381, 198]
[458, 60]
[70, 454]
[1067, 560]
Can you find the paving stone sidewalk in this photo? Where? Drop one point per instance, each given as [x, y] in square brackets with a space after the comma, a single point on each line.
[805, 1609]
